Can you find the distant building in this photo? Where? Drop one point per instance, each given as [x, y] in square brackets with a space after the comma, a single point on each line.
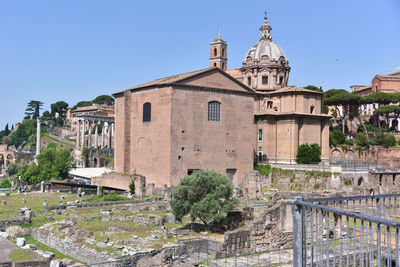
[389, 83]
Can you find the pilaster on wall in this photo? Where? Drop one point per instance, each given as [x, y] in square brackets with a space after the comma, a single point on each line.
[325, 140]
[127, 132]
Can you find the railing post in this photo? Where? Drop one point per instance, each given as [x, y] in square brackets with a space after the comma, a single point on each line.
[298, 234]
[378, 233]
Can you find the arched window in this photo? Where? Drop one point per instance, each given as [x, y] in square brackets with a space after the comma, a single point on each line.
[214, 111]
[215, 64]
[215, 52]
[223, 65]
[146, 112]
[223, 52]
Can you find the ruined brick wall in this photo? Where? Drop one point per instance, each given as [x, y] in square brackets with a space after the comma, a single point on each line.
[252, 185]
[121, 181]
[274, 229]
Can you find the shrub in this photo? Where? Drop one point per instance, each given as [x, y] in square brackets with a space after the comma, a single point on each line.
[307, 154]
[389, 141]
[263, 169]
[100, 191]
[14, 168]
[5, 183]
[132, 187]
[362, 140]
[336, 137]
[205, 194]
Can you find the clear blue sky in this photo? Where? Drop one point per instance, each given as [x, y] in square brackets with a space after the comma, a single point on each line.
[76, 50]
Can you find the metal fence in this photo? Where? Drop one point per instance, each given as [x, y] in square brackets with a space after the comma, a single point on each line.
[346, 231]
[351, 165]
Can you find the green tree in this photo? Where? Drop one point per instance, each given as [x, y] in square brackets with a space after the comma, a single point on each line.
[389, 141]
[205, 194]
[52, 163]
[14, 168]
[314, 88]
[104, 99]
[82, 104]
[6, 130]
[59, 107]
[362, 140]
[33, 109]
[132, 188]
[22, 134]
[386, 111]
[336, 137]
[307, 154]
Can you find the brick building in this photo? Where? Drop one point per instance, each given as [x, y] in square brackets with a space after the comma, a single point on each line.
[167, 128]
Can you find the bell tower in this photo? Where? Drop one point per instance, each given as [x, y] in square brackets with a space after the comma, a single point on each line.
[218, 52]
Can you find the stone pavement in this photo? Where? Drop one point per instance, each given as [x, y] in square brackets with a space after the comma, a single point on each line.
[5, 249]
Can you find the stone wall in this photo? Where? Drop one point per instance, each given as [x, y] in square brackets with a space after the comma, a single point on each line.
[252, 185]
[301, 180]
[237, 241]
[6, 223]
[274, 229]
[69, 247]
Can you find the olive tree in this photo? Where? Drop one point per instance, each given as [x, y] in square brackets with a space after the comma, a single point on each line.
[205, 194]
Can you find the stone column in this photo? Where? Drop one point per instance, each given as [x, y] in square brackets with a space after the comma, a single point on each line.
[109, 135]
[37, 137]
[83, 134]
[102, 135]
[112, 135]
[90, 133]
[96, 127]
[78, 133]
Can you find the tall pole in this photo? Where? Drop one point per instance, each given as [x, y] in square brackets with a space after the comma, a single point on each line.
[37, 136]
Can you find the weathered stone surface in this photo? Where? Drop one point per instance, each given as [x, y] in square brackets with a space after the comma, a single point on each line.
[20, 241]
[30, 246]
[69, 247]
[46, 254]
[105, 215]
[56, 263]
[16, 231]
[252, 185]
[4, 235]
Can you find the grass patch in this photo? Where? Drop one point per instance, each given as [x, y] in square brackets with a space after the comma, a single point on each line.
[21, 254]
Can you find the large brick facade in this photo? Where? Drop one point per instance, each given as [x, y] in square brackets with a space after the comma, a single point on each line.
[179, 137]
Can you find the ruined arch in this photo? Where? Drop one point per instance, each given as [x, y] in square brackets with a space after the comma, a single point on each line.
[336, 154]
[349, 155]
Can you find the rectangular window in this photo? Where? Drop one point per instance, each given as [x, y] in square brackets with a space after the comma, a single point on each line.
[249, 81]
[260, 156]
[264, 80]
[260, 135]
[214, 111]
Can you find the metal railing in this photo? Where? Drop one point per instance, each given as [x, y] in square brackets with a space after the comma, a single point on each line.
[346, 231]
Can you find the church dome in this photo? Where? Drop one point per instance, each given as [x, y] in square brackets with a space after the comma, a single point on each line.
[395, 72]
[265, 49]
